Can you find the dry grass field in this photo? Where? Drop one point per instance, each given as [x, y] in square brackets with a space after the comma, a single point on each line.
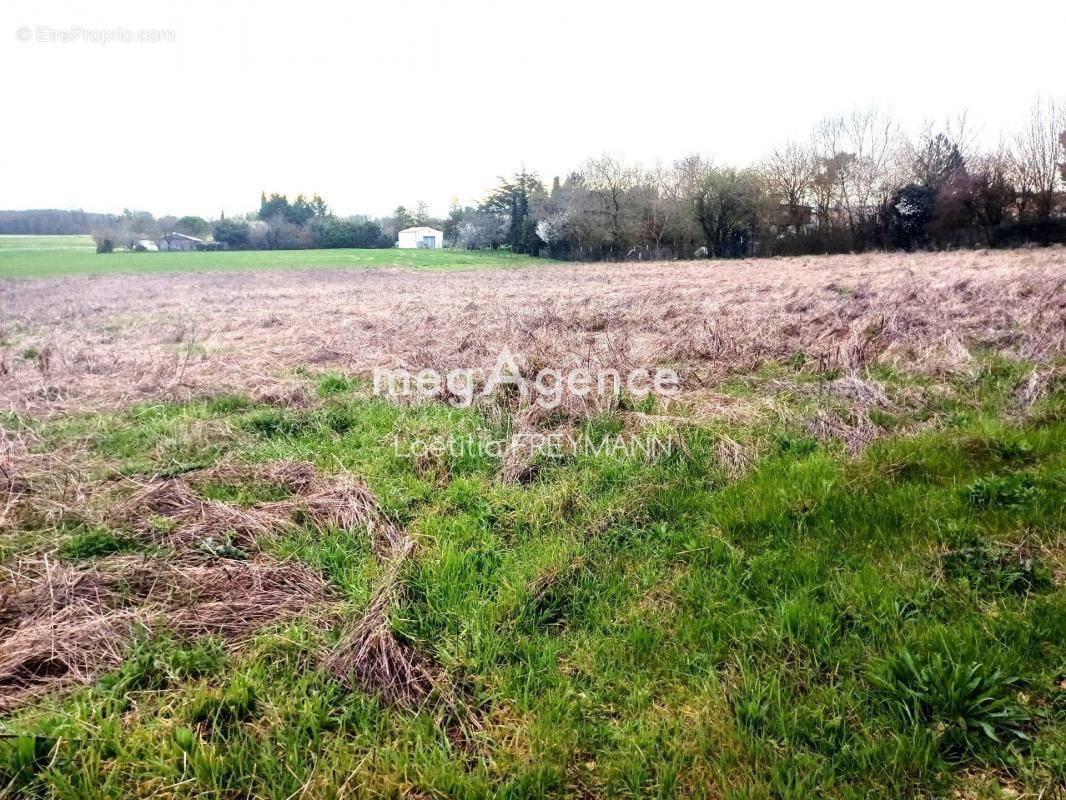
[224, 572]
[123, 339]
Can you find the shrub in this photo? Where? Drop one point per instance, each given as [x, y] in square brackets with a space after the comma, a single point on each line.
[340, 420]
[234, 233]
[222, 549]
[796, 445]
[1019, 233]
[272, 423]
[154, 663]
[997, 568]
[1013, 451]
[966, 705]
[329, 232]
[1008, 491]
[95, 543]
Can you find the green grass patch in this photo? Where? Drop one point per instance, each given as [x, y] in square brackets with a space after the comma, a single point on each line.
[52, 256]
[886, 625]
[94, 542]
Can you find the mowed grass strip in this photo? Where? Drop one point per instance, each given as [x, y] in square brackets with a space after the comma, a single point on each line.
[886, 625]
[54, 256]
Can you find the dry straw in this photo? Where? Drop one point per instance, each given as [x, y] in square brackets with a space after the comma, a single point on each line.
[63, 624]
[246, 331]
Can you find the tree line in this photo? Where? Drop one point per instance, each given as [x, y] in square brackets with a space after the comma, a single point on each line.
[279, 224]
[52, 221]
[857, 182]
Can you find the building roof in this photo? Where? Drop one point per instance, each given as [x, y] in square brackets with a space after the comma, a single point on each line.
[419, 228]
[182, 236]
[783, 215]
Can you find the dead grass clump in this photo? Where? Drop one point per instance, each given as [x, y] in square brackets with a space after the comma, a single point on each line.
[733, 456]
[14, 488]
[297, 477]
[372, 658]
[336, 502]
[281, 395]
[350, 505]
[948, 356]
[708, 405]
[859, 393]
[525, 443]
[862, 344]
[170, 497]
[66, 626]
[37, 488]
[1035, 387]
[254, 594]
[727, 344]
[518, 463]
[218, 521]
[944, 356]
[60, 588]
[854, 433]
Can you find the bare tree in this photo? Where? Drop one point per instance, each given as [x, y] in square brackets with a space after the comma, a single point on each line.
[826, 188]
[992, 194]
[861, 153]
[572, 217]
[611, 183]
[481, 229]
[790, 174]
[661, 205]
[1035, 159]
[1062, 166]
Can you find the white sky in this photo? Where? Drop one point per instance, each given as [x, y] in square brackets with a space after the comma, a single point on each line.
[377, 104]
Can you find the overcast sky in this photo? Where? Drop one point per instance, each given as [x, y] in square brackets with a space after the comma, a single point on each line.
[377, 104]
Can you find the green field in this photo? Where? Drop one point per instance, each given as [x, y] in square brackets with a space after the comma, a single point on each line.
[892, 625]
[51, 256]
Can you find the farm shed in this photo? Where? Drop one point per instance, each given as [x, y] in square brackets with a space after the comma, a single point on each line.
[179, 241]
[421, 236]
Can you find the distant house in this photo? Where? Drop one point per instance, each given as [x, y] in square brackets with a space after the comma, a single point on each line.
[787, 219]
[420, 236]
[145, 246]
[180, 241]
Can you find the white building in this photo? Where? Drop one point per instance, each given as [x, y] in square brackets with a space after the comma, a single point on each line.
[420, 236]
[179, 241]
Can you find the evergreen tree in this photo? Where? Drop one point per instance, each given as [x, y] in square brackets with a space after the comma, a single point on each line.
[514, 200]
